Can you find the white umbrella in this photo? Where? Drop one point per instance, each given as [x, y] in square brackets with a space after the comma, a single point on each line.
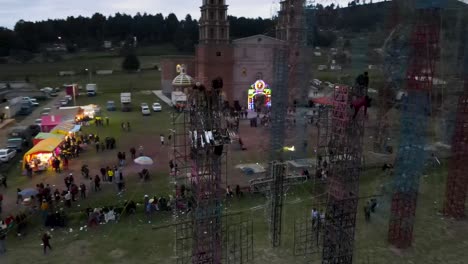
[143, 160]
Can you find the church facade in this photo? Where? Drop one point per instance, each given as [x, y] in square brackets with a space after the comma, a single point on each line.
[240, 62]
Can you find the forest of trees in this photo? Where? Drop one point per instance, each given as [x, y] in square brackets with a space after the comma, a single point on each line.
[85, 32]
[90, 32]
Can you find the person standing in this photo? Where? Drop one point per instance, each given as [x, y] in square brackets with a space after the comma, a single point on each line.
[74, 192]
[110, 174]
[119, 158]
[46, 242]
[68, 199]
[107, 121]
[57, 196]
[3, 232]
[19, 197]
[44, 210]
[124, 158]
[83, 191]
[140, 150]
[103, 173]
[65, 163]
[133, 152]
[171, 165]
[367, 212]
[97, 146]
[162, 139]
[3, 180]
[97, 183]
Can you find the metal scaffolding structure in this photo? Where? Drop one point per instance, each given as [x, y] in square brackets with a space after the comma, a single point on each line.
[200, 135]
[347, 134]
[414, 122]
[395, 61]
[308, 233]
[457, 179]
[289, 80]
[277, 172]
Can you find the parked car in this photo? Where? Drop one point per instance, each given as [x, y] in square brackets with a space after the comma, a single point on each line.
[329, 84]
[69, 98]
[17, 144]
[30, 101]
[145, 110]
[53, 94]
[35, 129]
[34, 102]
[144, 104]
[38, 121]
[157, 107]
[7, 154]
[47, 90]
[45, 111]
[64, 102]
[110, 106]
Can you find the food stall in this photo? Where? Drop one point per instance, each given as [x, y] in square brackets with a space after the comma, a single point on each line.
[49, 122]
[70, 113]
[41, 155]
[41, 136]
[90, 110]
[63, 128]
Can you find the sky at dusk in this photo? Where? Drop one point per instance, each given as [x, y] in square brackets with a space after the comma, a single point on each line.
[33, 10]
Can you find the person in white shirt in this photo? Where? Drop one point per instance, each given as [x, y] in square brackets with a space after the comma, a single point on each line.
[68, 199]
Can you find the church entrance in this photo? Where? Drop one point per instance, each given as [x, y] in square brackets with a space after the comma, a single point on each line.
[259, 96]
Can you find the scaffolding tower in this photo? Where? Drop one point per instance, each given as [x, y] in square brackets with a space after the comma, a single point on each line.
[203, 233]
[414, 121]
[277, 171]
[345, 168]
[457, 179]
[394, 71]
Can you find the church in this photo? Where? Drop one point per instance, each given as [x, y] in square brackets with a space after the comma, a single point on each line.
[246, 65]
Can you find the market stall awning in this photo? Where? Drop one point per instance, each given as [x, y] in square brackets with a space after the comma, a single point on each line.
[63, 128]
[41, 136]
[50, 121]
[45, 146]
[323, 100]
[75, 129]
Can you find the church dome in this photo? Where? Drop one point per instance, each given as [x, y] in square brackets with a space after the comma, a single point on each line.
[183, 80]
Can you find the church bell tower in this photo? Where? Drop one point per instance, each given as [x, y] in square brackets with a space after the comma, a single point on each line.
[214, 25]
[214, 53]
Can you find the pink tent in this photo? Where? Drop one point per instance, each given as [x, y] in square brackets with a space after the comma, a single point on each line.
[49, 122]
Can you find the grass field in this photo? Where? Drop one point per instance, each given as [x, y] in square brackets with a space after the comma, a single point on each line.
[46, 74]
[133, 240]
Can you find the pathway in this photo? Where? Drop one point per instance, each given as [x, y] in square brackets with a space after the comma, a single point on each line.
[161, 96]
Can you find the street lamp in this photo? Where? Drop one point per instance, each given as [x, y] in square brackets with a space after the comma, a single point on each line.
[89, 75]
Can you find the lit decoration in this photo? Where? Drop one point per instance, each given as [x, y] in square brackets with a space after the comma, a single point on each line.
[179, 68]
[259, 88]
[289, 148]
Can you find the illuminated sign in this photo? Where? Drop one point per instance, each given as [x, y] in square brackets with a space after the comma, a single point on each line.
[259, 89]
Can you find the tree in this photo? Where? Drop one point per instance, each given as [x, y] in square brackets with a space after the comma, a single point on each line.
[131, 63]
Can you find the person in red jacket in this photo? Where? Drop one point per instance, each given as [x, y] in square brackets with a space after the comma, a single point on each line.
[358, 103]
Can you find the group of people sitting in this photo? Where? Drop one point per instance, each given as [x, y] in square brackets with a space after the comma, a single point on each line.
[19, 221]
[106, 214]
